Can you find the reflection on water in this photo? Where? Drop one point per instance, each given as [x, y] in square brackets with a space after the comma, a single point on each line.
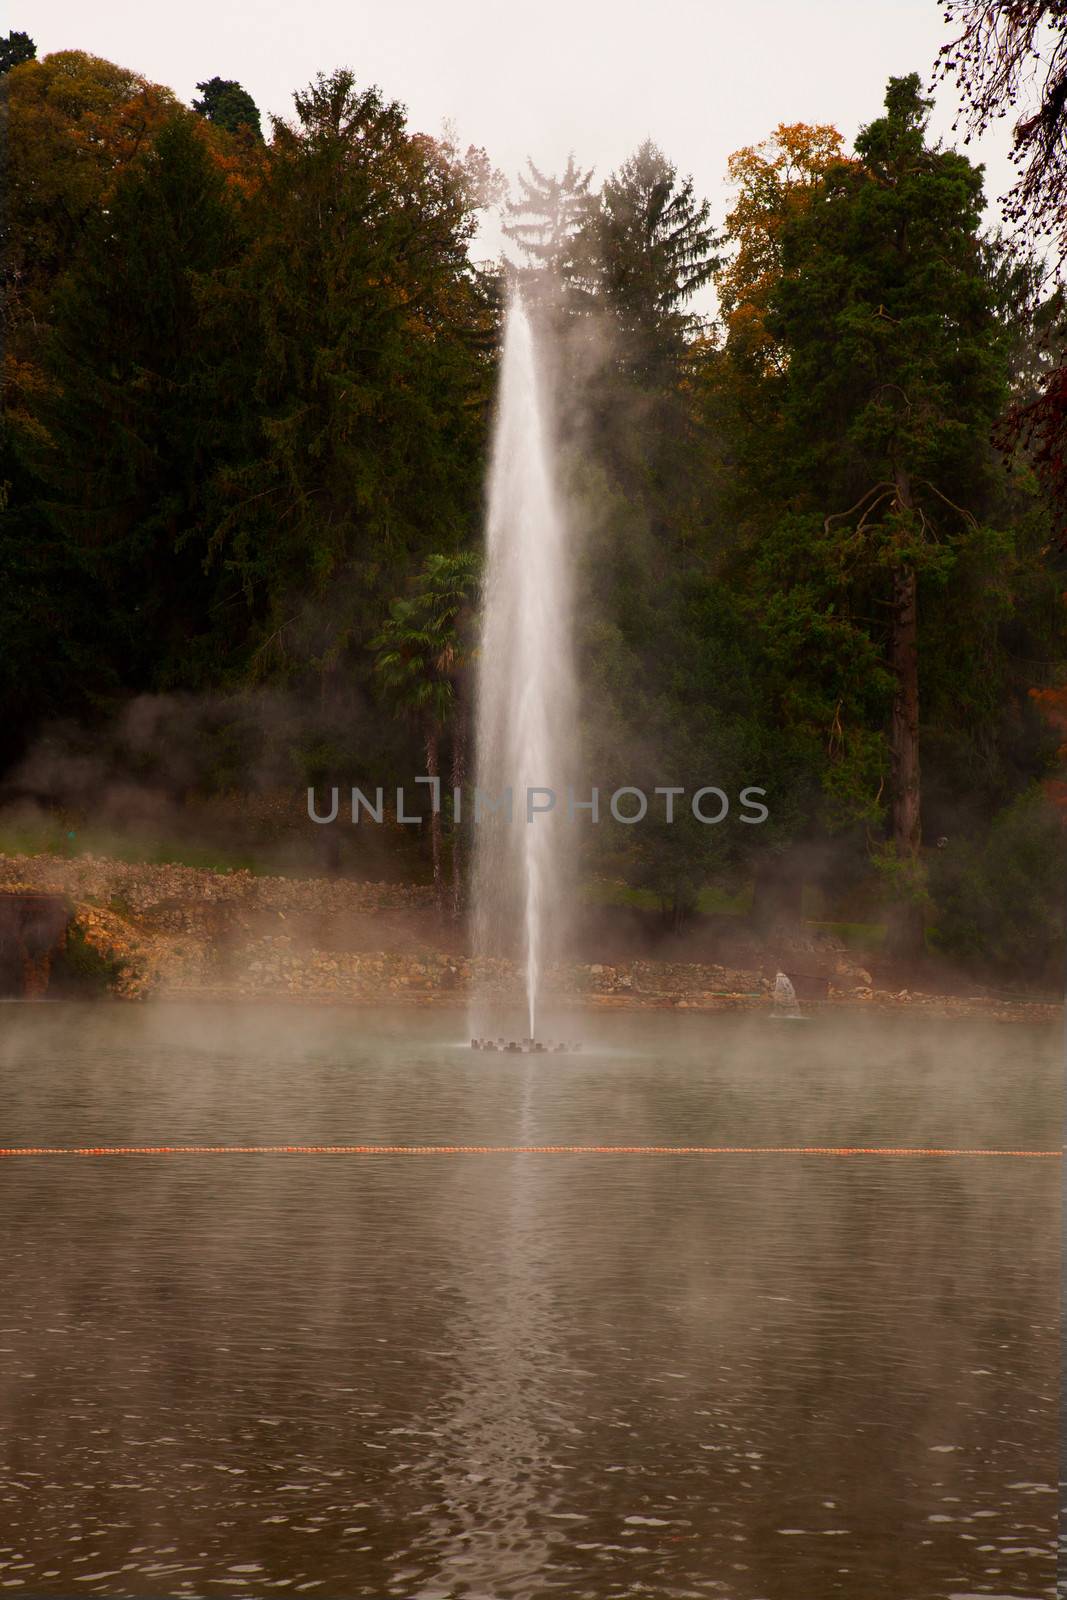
[759, 1377]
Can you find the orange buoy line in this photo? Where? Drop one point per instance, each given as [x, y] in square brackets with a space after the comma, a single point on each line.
[507, 1150]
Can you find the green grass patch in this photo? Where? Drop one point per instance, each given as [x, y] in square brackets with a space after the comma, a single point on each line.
[35, 839]
[601, 893]
[710, 901]
[723, 903]
[204, 858]
[855, 935]
[59, 839]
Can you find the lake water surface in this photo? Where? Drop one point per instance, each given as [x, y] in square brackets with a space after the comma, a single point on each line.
[761, 1377]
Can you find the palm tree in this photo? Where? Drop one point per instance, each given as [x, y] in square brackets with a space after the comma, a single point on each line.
[421, 661]
[446, 588]
[405, 663]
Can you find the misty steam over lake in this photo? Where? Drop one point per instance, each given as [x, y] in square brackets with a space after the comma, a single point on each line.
[754, 1376]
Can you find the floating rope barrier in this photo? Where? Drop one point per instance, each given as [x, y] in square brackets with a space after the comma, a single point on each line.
[509, 1150]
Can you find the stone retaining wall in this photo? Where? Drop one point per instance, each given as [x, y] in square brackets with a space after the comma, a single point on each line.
[184, 933]
[136, 888]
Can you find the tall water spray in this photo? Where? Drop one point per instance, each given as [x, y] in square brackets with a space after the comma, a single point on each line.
[525, 707]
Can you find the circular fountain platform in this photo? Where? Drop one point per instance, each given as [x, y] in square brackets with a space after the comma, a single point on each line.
[526, 1047]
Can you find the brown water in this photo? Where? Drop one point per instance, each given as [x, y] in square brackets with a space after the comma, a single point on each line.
[759, 1377]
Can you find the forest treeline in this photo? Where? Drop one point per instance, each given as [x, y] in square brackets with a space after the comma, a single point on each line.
[248, 387]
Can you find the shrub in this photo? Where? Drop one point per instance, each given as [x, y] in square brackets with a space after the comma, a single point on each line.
[999, 902]
[82, 970]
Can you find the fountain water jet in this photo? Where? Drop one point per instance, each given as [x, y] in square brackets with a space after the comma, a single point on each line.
[785, 999]
[525, 689]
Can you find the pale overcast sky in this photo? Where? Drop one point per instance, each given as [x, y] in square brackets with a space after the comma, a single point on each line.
[700, 77]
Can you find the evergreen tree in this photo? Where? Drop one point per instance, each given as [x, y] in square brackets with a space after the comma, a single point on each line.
[641, 254]
[73, 124]
[775, 181]
[363, 327]
[15, 48]
[134, 419]
[651, 247]
[226, 104]
[895, 373]
[58, 656]
[547, 218]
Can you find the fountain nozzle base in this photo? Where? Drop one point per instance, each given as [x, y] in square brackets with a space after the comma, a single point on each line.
[526, 1047]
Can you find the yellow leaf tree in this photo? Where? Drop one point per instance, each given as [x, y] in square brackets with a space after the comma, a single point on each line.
[775, 180]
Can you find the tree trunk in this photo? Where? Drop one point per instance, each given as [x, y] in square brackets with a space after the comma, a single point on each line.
[433, 770]
[906, 933]
[904, 727]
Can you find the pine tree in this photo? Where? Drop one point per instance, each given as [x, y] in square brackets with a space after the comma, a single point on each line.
[409, 667]
[134, 420]
[363, 327]
[651, 248]
[226, 104]
[641, 254]
[895, 373]
[423, 654]
[15, 48]
[548, 216]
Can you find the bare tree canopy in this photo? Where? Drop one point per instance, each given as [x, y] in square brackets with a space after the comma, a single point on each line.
[1012, 57]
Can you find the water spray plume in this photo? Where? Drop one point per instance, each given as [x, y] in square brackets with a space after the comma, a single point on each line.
[525, 719]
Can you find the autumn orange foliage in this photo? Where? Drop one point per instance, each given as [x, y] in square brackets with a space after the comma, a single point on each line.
[75, 123]
[775, 180]
[1053, 706]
